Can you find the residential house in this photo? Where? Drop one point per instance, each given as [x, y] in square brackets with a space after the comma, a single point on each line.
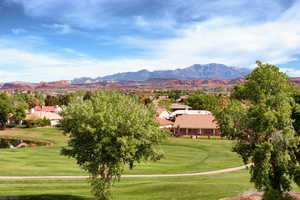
[45, 112]
[196, 125]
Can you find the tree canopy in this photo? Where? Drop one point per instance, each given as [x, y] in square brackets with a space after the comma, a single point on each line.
[5, 109]
[108, 132]
[259, 117]
[202, 101]
[12, 107]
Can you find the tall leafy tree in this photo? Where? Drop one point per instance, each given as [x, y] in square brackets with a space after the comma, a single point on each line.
[259, 118]
[296, 121]
[52, 100]
[203, 101]
[19, 107]
[5, 110]
[108, 131]
[12, 107]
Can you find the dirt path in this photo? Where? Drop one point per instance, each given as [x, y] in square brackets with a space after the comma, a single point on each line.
[127, 176]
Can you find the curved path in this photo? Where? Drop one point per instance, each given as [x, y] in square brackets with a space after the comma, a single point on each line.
[128, 176]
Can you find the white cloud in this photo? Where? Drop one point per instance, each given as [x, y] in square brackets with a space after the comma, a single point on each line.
[227, 40]
[291, 72]
[148, 14]
[74, 52]
[26, 42]
[27, 66]
[219, 40]
[230, 42]
[61, 28]
[17, 31]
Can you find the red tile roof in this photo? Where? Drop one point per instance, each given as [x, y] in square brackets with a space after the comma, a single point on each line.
[196, 122]
[164, 122]
[46, 108]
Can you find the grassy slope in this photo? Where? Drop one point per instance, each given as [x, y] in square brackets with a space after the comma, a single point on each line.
[181, 155]
[210, 187]
[177, 188]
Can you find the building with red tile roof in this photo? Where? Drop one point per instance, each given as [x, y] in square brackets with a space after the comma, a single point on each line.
[45, 112]
[198, 124]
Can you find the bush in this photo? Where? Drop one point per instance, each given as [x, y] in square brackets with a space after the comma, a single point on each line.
[12, 125]
[28, 123]
[43, 122]
[36, 123]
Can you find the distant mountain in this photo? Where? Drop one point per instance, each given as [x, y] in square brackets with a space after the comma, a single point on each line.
[193, 72]
[151, 84]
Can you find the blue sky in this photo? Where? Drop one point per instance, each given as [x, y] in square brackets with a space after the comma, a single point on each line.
[63, 39]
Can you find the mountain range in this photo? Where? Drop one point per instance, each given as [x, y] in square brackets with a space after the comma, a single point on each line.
[194, 72]
[194, 77]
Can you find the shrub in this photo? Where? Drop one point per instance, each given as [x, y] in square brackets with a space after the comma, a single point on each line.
[36, 123]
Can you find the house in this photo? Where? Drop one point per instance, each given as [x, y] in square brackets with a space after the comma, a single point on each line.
[196, 125]
[164, 123]
[52, 116]
[45, 112]
[177, 106]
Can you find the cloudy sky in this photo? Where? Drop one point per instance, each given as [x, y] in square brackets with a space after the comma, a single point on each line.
[45, 40]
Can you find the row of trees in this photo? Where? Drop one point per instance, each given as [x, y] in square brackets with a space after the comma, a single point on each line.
[13, 106]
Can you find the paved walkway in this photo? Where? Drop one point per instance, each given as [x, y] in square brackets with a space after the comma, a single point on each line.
[127, 176]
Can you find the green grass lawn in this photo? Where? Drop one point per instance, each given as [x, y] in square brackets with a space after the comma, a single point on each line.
[182, 155]
[210, 187]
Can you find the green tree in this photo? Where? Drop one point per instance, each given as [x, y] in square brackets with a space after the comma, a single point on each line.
[175, 94]
[13, 107]
[296, 117]
[19, 113]
[107, 132]
[166, 103]
[19, 107]
[220, 89]
[296, 120]
[52, 100]
[259, 118]
[40, 96]
[202, 101]
[5, 110]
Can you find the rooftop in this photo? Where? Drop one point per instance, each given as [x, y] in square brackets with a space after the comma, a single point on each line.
[46, 108]
[196, 122]
[177, 106]
[164, 122]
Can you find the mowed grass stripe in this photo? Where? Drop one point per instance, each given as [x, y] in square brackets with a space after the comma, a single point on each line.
[182, 155]
[208, 187]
